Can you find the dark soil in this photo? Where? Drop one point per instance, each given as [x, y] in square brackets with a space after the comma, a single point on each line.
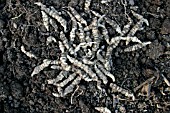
[21, 93]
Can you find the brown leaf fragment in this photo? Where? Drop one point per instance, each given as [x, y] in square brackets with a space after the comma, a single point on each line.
[165, 27]
[146, 89]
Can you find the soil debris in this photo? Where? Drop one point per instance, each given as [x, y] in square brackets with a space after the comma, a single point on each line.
[84, 56]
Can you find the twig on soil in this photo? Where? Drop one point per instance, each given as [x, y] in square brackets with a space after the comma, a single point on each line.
[83, 52]
[29, 54]
[74, 94]
[147, 81]
[45, 20]
[101, 75]
[74, 26]
[87, 5]
[53, 13]
[50, 39]
[46, 63]
[77, 16]
[124, 4]
[103, 109]
[165, 80]
[17, 16]
[136, 47]
[116, 88]
[59, 77]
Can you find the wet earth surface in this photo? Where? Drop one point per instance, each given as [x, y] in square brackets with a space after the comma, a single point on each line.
[21, 24]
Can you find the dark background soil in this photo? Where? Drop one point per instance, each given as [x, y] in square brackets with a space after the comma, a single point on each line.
[21, 93]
